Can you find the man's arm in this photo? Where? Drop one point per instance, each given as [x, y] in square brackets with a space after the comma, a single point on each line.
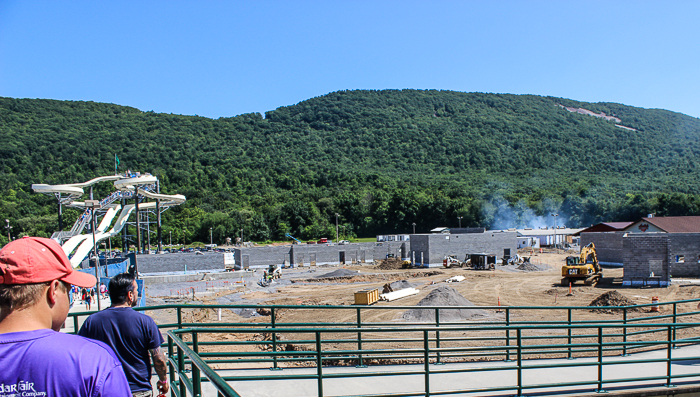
[159, 364]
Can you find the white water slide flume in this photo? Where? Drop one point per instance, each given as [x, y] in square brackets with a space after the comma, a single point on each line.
[79, 246]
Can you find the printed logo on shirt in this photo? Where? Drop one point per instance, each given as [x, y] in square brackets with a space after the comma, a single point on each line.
[20, 389]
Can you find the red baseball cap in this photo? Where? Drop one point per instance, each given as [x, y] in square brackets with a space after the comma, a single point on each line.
[31, 260]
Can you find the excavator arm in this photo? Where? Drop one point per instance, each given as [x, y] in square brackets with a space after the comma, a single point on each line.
[588, 256]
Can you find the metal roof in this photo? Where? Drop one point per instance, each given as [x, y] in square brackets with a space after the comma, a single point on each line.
[546, 232]
[674, 224]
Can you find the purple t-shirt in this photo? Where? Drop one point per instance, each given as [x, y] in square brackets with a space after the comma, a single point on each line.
[45, 363]
[131, 334]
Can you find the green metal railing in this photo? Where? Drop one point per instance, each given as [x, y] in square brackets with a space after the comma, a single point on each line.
[179, 382]
[323, 351]
[510, 340]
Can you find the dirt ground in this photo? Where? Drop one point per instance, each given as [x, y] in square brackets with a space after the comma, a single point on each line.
[505, 285]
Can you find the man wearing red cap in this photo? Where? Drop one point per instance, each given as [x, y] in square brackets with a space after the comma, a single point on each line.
[36, 359]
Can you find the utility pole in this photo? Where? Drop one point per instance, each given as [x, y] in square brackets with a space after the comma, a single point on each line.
[211, 236]
[171, 239]
[336, 227]
[460, 221]
[555, 231]
[8, 228]
[60, 212]
[414, 227]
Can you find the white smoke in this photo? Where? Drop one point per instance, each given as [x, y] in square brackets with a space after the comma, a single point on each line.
[499, 215]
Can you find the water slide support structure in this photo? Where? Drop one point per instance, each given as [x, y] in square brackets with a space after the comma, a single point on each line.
[159, 236]
[138, 223]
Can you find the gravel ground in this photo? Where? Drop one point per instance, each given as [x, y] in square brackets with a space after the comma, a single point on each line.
[444, 296]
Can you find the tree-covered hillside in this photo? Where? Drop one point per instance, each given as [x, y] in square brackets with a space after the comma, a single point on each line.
[381, 159]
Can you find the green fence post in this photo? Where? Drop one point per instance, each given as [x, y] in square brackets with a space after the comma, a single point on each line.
[179, 317]
[426, 362]
[624, 332]
[319, 364]
[508, 335]
[170, 366]
[181, 370]
[273, 321]
[570, 357]
[359, 340]
[669, 348]
[675, 320]
[196, 377]
[438, 361]
[519, 335]
[75, 325]
[600, 360]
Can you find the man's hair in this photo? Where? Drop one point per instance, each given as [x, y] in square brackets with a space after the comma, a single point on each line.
[22, 296]
[120, 286]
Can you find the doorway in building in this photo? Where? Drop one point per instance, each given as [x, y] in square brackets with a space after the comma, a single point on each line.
[341, 257]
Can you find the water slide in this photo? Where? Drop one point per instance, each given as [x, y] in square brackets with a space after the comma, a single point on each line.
[87, 241]
[69, 193]
[74, 241]
[72, 190]
[166, 200]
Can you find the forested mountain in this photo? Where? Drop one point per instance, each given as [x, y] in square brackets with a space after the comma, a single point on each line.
[381, 159]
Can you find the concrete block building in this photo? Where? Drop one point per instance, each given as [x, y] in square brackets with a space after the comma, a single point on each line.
[608, 246]
[426, 250]
[658, 248]
[261, 257]
[646, 260]
[430, 249]
[298, 255]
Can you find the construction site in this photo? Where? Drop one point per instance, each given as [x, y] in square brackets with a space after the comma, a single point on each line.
[534, 283]
[399, 308]
[387, 320]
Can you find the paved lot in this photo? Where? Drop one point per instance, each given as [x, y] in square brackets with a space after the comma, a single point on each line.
[471, 380]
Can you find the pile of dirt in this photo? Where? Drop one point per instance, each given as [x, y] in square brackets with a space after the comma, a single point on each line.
[531, 267]
[401, 284]
[612, 298]
[339, 274]
[444, 296]
[390, 264]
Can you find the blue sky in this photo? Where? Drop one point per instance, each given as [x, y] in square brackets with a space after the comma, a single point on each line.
[224, 58]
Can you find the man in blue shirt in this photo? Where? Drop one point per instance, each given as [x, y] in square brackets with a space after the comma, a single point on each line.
[35, 359]
[134, 336]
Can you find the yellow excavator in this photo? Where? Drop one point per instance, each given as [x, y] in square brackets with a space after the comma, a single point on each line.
[583, 267]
